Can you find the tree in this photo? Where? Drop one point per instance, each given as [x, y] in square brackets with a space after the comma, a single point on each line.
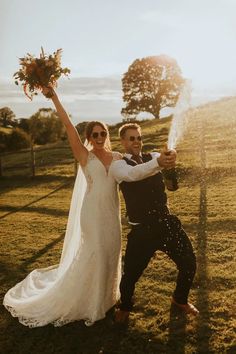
[18, 139]
[13, 139]
[24, 124]
[45, 126]
[7, 117]
[81, 127]
[151, 84]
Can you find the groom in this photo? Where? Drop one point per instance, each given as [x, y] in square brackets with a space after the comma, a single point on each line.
[153, 228]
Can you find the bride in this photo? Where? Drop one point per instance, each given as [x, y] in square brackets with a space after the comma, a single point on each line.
[85, 284]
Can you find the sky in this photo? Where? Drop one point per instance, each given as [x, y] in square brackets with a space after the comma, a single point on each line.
[101, 38]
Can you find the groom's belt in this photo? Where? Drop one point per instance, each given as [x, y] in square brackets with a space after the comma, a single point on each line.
[151, 216]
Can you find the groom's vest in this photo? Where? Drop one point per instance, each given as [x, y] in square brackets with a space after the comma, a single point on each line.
[144, 199]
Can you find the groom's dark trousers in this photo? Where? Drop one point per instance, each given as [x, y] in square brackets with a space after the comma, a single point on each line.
[155, 230]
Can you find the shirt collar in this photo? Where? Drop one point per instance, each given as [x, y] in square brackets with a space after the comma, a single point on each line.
[128, 156]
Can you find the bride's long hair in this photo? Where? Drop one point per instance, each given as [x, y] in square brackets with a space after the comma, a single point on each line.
[89, 130]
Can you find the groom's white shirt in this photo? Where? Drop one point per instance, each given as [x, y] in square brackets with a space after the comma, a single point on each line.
[121, 171]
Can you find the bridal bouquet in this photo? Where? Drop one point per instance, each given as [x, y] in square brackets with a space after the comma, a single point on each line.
[36, 73]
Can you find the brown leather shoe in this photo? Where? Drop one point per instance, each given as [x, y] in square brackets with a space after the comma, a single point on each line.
[121, 317]
[187, 308]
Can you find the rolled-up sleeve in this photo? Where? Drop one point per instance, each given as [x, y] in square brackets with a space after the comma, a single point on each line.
[121, 171]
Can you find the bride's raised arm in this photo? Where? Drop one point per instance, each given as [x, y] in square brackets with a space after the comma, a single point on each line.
[79, 150]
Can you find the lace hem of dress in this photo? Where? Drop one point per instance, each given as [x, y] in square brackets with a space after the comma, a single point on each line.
[32, 322]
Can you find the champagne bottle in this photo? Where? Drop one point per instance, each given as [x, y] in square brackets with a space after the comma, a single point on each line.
[170, 177]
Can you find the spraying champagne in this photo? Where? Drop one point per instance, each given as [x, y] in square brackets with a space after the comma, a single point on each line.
[178, 126]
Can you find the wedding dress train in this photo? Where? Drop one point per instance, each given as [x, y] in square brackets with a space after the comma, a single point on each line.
[85, 284]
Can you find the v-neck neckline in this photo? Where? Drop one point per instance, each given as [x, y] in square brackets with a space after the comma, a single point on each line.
[107, 170]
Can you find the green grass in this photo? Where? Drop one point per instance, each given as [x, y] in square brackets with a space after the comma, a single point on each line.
[205, 202]
[5, 130]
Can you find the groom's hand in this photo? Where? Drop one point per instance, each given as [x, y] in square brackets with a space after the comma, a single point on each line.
[167, 159]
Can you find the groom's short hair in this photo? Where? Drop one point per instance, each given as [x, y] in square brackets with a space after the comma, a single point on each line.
[127, 126]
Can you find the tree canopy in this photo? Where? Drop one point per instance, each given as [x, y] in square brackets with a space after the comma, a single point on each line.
[41, 128]
[7, 117]
[151, 84]
[45, 126]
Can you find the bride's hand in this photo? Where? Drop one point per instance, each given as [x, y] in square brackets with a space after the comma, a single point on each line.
[48, 92]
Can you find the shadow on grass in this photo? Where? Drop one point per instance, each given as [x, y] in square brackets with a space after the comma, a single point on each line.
[203, 328]
[177, 331]
[43, 250]
[64, 185]
[11, 272]
[74, 338]
[32, 209]
[13, 182]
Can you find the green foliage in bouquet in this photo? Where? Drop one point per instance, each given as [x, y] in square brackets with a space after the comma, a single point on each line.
[36, 73]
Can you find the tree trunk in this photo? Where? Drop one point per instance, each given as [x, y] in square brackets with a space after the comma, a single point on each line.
[156, 111]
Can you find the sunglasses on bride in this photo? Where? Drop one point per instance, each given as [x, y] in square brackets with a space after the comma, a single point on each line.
[103, 134]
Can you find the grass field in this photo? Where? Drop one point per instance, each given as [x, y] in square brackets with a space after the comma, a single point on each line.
[33, 215]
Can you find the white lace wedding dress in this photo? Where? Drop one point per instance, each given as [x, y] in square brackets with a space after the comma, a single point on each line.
[85, 284]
